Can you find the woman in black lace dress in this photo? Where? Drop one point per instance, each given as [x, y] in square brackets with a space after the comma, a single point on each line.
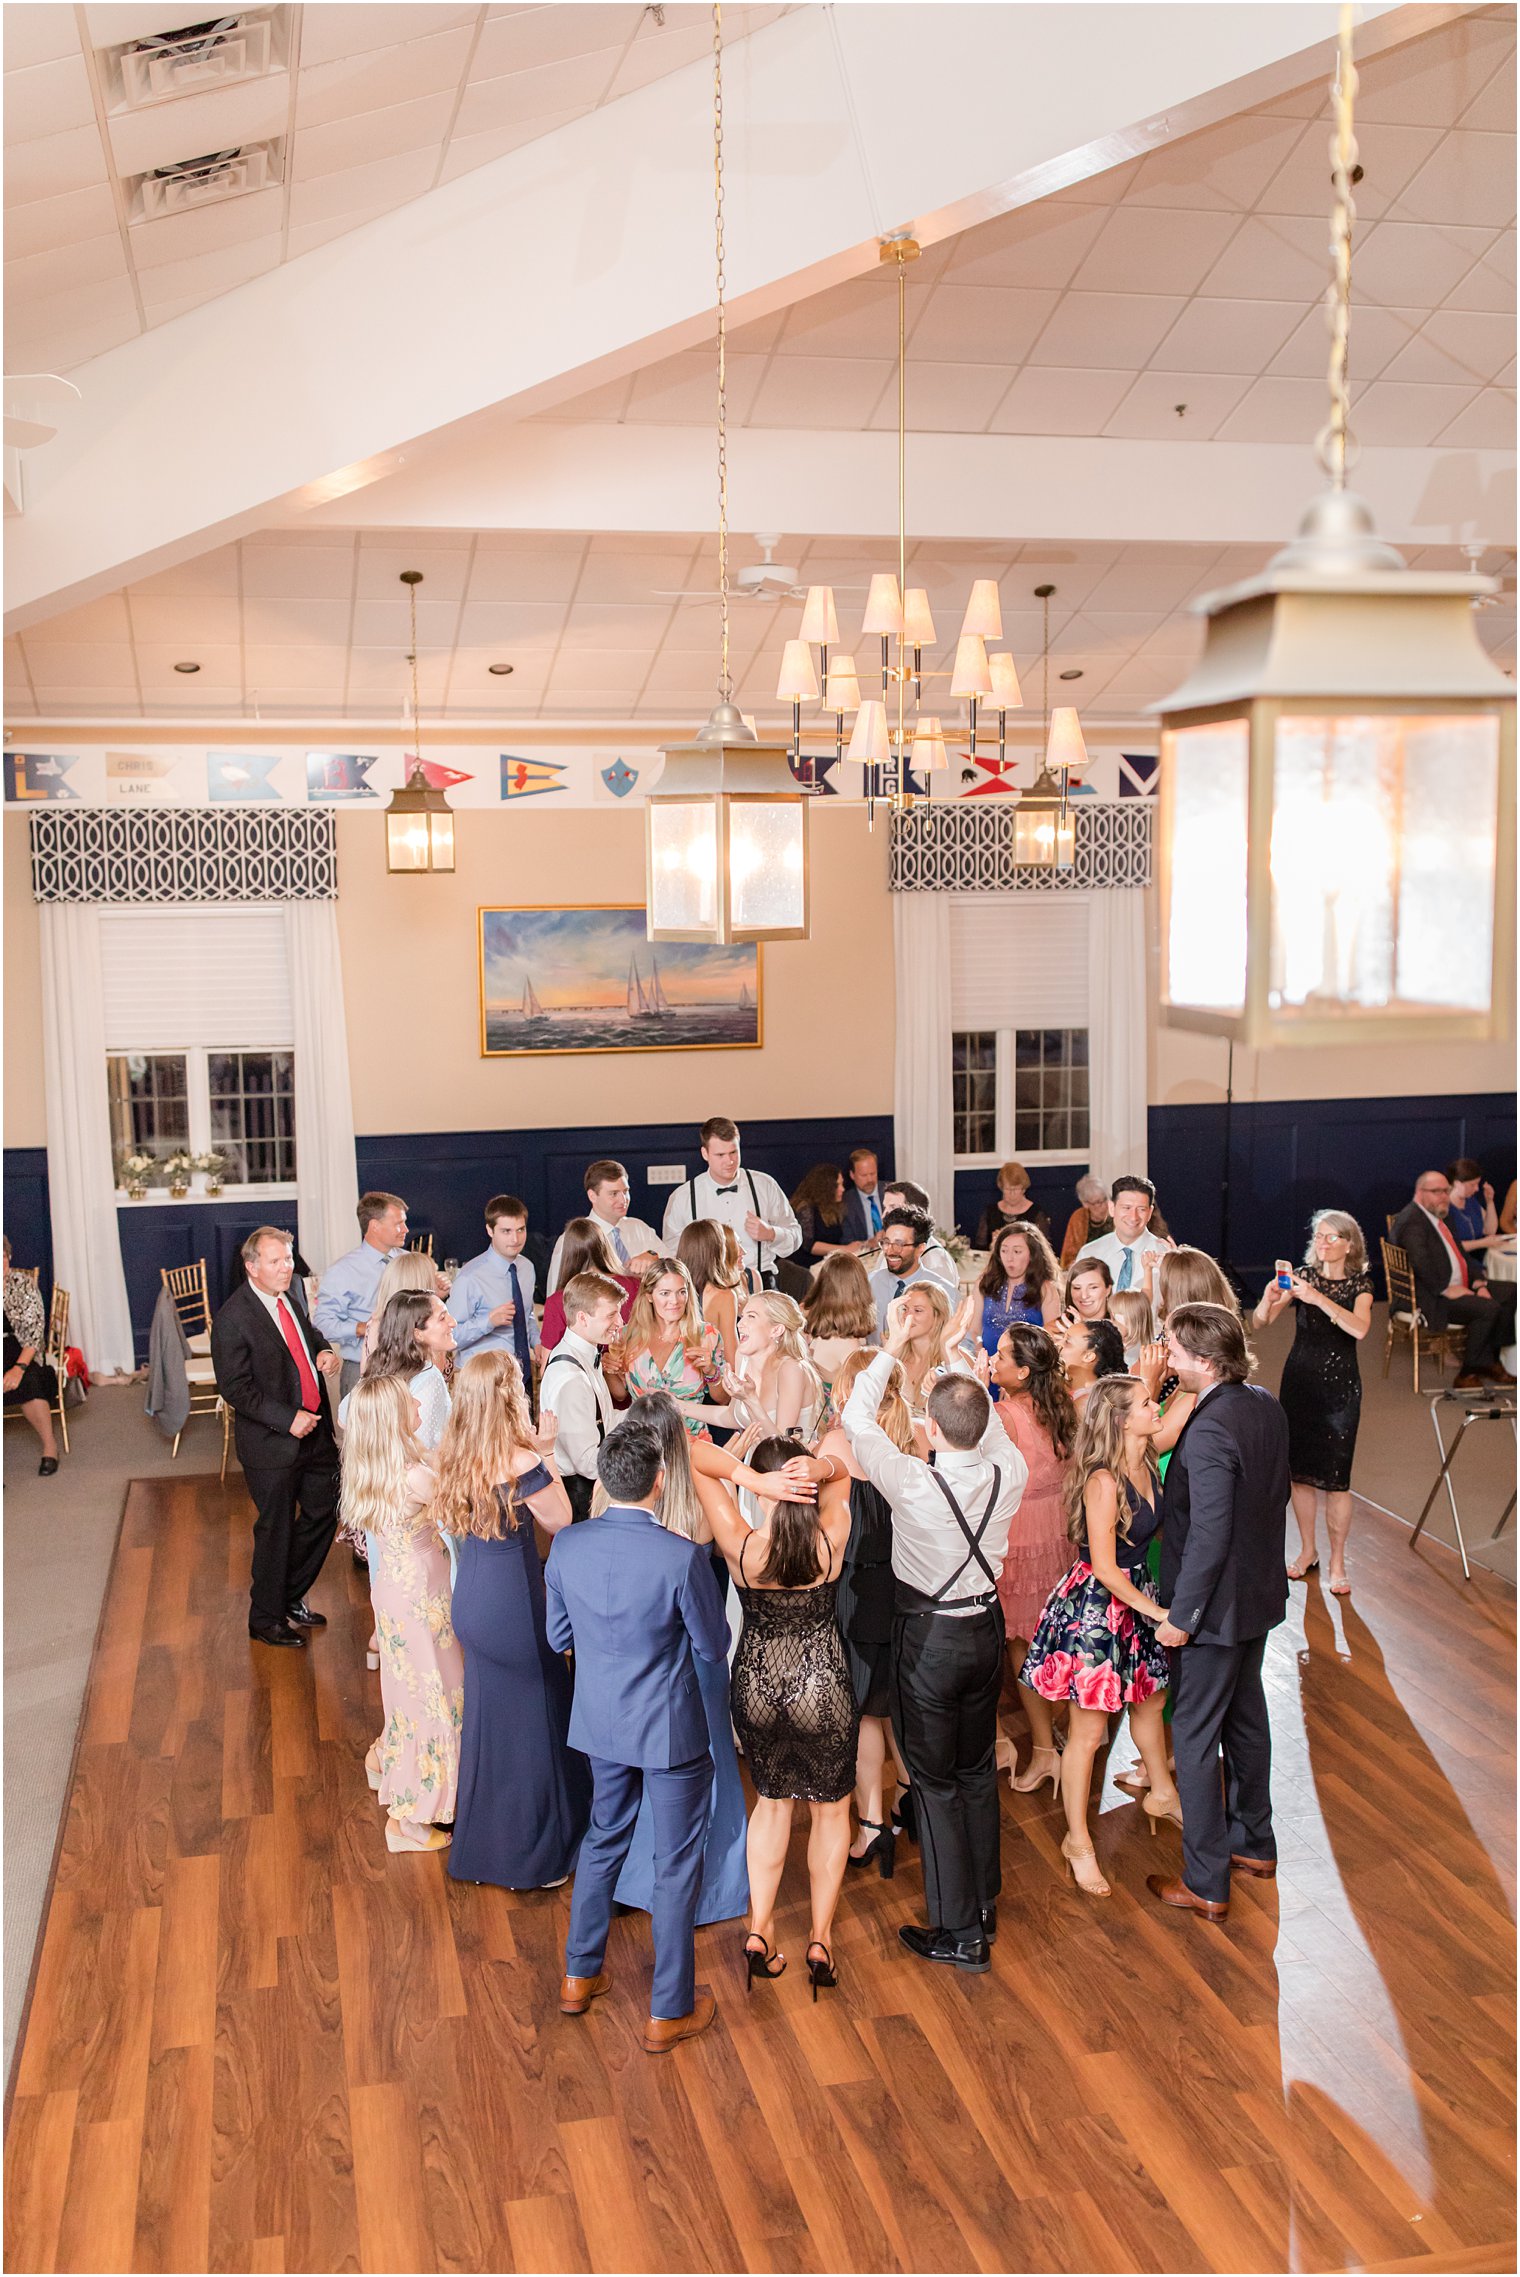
[1321, 1390]
[793, 1702]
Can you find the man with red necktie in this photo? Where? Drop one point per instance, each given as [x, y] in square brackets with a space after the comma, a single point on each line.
[1449, 1288]
[269, 1361]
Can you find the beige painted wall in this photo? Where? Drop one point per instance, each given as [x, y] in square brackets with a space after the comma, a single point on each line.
[413, 1017]
[25, 1117]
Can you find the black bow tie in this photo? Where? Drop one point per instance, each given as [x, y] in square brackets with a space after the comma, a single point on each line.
[725, 1189]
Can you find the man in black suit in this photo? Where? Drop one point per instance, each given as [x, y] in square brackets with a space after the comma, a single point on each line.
[268, 1360]
[863, 1206]
[1448, 1288]
[1224, 1584]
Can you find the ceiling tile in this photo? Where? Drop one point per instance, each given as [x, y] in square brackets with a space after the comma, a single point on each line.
[87, 261]
[682, 391]
[1053, 401]
[1227, 335]
[204, 275]
[599, 669]
[268, 670]
[1412, 417]
[634, 577]
[96, 623]
[1389, 154]
[854, 319]
[1223, 169]
[388, 75]
[1172, 251]
[1428, 81]
[364, 191]
[296, 623]
[1495, 107]
[220, 663]
[206, 229]
[357, 27]
[1469, 178]
[185, 618]
[616, 624]
[298, 572]
[1144, 578]
[1149, 411]
[71, 664]
[1039, 245]
[77, 310]
[1405, 265]
[386, 624]
[982, 324]
[653, 58]
[945, 399]
[103, 699]
[444, 571]
[47, 223]
[1487, 423]
[45, 344]
[1115, 331]
[519, 95]
[466, 152]
[508, 568]
[1273, 257]
[507, 626]
[214, 573]
[1377, 334]
[54, 166]
[372, 135]
[47, 99]
[1490, 283]
[533, 37]
[1458, 346]
[39, 34]
[1105, 188]
[383, 676]
[1276, 411]
[819, 391]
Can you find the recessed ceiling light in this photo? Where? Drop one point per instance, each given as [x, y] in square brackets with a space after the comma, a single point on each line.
[501, 670]
[1075, 674]
[187, 668]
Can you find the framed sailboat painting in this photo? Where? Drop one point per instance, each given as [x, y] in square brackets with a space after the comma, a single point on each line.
[588, 980]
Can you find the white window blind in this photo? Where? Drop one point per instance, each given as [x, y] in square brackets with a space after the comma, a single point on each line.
[178, 978]
[1018, 960]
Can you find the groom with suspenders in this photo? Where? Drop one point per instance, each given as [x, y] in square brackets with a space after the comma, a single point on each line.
[950, 1523]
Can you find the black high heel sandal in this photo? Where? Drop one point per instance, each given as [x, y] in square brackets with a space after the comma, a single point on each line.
[882, 1847]
[905, 1814]
[755, 1963]
[822, 1972]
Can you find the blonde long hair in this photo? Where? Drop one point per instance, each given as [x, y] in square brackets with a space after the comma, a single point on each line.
[1336, 1221]
[413, 1269]
[893, 1415]
[1191, 1277]
[792, 1343]
[644, 1323]
[488, 1424]
[680, 1510]
[916, 1376]
[379, 1446]
[1100, 1447]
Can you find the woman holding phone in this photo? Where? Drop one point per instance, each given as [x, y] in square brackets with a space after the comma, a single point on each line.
[1321, 1390]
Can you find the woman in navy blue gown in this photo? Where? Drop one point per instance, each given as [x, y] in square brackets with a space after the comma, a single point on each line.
[524, 1796]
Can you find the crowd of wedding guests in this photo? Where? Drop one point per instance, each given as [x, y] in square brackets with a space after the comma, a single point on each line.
[901, 1503]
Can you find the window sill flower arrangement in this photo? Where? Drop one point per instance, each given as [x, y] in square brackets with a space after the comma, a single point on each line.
[212, 1168]
[134, 1171]
[177, 1170]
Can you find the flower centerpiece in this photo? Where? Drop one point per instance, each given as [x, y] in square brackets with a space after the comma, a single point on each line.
[211, 1167]
[134, 1170]
[177, 1170]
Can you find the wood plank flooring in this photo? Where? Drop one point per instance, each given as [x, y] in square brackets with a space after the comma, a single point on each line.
[257, 2041]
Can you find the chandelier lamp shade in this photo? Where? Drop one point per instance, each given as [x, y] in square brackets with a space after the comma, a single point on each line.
[1337, 807]
[984, 615]
[819, 623]
[419, 822]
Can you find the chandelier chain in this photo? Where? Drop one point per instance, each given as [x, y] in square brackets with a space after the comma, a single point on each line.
[725, 682]
[411, 595]
[1335, 441]
[901, 780]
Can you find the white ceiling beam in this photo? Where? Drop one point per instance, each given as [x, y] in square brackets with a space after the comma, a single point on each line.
[588, 253]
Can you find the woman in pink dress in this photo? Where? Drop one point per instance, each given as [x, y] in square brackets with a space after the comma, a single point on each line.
[1035, 1410]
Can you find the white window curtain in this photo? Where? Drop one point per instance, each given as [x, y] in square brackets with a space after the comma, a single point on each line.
[81, 1171]
[327, 1180]
[1116, 1030]
[921, 1085]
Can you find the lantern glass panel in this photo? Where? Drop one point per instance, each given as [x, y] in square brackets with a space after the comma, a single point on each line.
[683, 864]
[1208, 769]
[441, 827]
[406, 842]
[766, 871]
[1384, 839]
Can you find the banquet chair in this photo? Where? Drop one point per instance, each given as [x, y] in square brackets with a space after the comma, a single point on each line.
[186, 1285]
[1405, 1318]
[422, 1246]
[55, 1351]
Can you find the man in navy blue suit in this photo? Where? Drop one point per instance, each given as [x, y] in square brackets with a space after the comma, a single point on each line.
[633, 1603]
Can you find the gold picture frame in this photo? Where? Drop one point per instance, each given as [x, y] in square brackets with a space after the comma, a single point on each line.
[552, 988]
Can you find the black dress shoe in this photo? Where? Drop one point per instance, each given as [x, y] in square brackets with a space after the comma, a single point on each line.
[967, 1951]
[989, 1921]
[47, 1466]
[304, 1618]
[283, 1634]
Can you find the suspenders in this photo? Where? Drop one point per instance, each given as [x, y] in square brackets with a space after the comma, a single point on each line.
[974, 1549]
[571, 1361]
[754, 1203]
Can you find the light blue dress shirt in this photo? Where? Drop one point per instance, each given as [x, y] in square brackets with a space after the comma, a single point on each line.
[479, 1288]
[346, 1296]
[885, 1285]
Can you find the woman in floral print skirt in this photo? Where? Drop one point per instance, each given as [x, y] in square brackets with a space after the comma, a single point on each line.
[388, 1491]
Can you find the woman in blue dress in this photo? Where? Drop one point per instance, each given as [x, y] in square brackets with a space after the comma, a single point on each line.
[725, 1875]
[524, 1795]
[1021, 1282]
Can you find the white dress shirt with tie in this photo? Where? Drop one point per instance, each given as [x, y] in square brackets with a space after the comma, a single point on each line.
[731, 1204]
[628, 1239]
[272, 1305]
[1113, 1252]
[574, 1391]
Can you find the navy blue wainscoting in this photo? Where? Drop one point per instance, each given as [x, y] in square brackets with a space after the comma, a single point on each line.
[446, 1178]
[1052, 1188]
[26, 1211]
[157, 1234]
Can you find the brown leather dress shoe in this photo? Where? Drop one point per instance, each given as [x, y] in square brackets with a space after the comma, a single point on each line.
[1470, 1380]
[577, 1993]
[1265, 1869]
[1178, 1894]
[662, 2033]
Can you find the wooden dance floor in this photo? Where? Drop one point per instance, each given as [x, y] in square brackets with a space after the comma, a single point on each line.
[257, 2041]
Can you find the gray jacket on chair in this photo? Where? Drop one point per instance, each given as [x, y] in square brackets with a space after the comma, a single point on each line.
[168, 1400]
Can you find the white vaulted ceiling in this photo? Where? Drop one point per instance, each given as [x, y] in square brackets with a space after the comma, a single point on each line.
[375, 105]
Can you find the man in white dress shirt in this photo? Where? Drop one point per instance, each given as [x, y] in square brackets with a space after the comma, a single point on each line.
[634, 1244]
[951, 1519]
[905, 1237]
[573, 1389]
[1131, 1252]
[492, 1296]
[748, 1200]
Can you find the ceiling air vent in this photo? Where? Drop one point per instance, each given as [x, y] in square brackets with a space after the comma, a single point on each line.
[207, 181]
[196, 60]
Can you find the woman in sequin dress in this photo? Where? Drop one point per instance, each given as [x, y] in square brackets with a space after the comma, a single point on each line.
[1321, 1391]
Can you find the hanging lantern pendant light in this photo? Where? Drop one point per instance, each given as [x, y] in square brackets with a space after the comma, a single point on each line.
[419, 822]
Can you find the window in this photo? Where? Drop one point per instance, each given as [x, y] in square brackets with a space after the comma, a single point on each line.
[253, 1115]
[974, 1090]
[150, 1107]
[1018, 1091]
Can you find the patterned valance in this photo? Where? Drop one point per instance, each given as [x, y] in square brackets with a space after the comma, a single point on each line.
[966, 846]
[182, 854]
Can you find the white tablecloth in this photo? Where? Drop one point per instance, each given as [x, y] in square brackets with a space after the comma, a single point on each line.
[1500, 1266]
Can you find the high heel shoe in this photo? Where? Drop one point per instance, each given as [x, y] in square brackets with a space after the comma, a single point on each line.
[372, 1767]
[882, 1847]
[1007, 1755]
[372, 1650]
[757, 1964]
[822, 1972]
[1044, 1763]
[905, 1814]
[410, 1834]
[1300, 1572]
[1155, 1812]
[1072, 1854]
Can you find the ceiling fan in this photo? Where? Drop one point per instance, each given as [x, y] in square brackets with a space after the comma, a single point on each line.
[763, 580]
